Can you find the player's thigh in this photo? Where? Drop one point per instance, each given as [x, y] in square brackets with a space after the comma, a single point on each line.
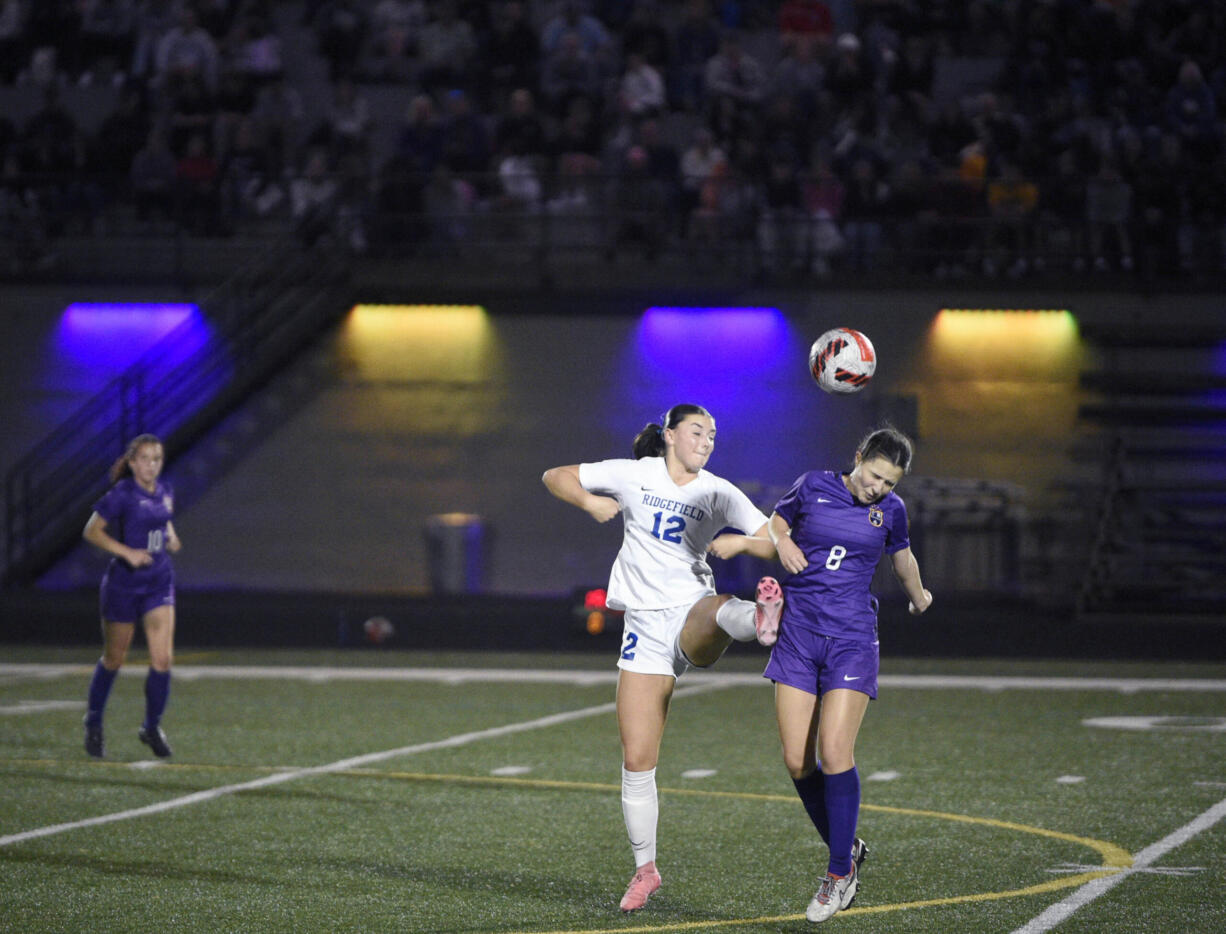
[116, 640]
[642, 709]
[159, 625]
[842, 712]
[702, 640]
[797, 711]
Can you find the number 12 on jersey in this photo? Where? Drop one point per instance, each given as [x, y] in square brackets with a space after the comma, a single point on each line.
[672, 528]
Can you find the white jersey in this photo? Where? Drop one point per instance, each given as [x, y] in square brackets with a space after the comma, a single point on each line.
[662, 562]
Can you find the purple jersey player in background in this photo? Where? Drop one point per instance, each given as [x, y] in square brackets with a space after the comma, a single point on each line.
[132, 522]
[830, 530]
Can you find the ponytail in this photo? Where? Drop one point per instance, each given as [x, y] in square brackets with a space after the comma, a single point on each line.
[650, 441]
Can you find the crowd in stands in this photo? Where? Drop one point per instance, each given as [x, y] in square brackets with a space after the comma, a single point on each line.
[814, 134]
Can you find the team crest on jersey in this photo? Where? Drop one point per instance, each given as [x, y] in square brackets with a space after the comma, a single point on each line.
[169, 504]
[876, 516]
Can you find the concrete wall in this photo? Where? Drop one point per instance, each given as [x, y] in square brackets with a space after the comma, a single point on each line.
[42, 379]
[421, 419]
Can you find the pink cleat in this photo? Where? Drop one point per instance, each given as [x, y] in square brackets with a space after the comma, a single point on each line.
[769, 607]
[646, 880]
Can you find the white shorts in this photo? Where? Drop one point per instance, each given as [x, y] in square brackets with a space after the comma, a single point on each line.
[649, 641]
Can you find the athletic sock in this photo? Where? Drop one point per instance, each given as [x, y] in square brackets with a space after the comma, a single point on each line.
[843, 808]
[812, 791]
[641, 810]
[99, 690]
[157, 692]
[736, 617]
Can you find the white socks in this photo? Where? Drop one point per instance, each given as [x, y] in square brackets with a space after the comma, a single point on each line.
[641, 809]
[736, 617]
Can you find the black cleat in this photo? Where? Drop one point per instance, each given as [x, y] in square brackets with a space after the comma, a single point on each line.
[93, 740]
[155, 739]
[859, 853]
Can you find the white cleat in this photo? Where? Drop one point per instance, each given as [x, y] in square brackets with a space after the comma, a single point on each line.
[834, 894]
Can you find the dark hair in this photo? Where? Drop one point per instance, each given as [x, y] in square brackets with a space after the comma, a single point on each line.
[121, 467]
[650, 441]
[889, 443]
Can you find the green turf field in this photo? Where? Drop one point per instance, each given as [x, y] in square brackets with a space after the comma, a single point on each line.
[364, 790]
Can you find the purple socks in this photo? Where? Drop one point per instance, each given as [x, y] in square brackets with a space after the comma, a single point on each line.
[833, 804]
[157, 691]
[842, 809]
[99, 691]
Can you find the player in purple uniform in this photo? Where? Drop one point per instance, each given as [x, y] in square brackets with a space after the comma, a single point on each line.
[830, 530]
[132, 523]
[672, 513]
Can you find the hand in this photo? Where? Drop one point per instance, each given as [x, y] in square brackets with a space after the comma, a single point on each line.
[790, 555]
[917, 610]
[602, 508]
[139, 558]
[725, 546]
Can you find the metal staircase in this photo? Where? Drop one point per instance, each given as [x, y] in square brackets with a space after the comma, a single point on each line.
[262, 317]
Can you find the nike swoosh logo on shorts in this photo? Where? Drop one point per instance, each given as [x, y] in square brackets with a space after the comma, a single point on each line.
[850, 678]
[822, 499]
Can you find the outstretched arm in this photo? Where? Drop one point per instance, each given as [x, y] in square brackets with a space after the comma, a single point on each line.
[563, 482]
[906, 569]
[729, 545]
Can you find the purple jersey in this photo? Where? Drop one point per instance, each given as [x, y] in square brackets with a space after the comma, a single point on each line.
[138, 518]
[843, 540]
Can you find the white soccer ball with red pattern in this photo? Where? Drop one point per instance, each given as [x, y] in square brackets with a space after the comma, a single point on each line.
[842, 360]
[378, 629]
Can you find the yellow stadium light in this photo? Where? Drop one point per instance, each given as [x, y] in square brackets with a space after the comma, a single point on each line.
[996, 343]
[420, 342]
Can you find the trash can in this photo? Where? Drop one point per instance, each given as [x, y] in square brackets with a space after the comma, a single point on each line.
[455, 543]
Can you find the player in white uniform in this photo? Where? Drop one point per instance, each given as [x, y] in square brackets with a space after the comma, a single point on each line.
[673, 511]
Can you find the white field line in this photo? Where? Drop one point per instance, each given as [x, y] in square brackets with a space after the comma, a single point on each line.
[584, 677]
[1093, 889]
[34, 706]
[341, 765]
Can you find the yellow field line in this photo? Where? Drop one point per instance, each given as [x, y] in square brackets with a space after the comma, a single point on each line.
[1039, 889]
[1115, 858]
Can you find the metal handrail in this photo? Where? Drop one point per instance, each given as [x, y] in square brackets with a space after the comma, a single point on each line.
[261, 315]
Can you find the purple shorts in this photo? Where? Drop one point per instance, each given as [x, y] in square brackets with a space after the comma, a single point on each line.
[811, 662]
[120, 605]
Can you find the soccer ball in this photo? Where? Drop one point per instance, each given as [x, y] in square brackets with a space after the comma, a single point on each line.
[378, 629]
[842, 360]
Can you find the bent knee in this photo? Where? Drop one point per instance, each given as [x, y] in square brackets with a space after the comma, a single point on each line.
[798, 766]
